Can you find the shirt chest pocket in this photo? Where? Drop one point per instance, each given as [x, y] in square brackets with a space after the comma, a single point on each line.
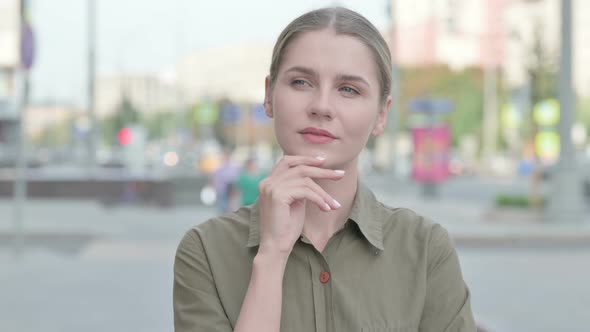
[389, 329]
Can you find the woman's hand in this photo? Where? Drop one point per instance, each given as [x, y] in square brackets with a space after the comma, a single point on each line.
[283, 195]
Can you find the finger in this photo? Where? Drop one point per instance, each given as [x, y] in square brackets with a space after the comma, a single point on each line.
[305, 171]
[287, 162]
[312, 185]
[303, 192]
[308, 183]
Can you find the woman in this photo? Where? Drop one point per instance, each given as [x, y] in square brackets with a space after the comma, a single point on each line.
[248, 181]
[317, 251]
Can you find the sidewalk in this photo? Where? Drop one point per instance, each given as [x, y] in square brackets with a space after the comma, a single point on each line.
[478, 223]
[72, 226]
[92, 268]
[464, 209]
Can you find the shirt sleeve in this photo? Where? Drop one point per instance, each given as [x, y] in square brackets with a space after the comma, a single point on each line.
[196, 303]
[447, 305]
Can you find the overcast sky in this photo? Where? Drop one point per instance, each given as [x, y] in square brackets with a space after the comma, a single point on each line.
[148, 35]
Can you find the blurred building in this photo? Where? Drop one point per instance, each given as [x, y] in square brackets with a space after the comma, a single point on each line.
[9, 62]
[41, 117]
[9, 33]
[458, 33]
[463, 33]
[147, 92]
[235, 72]
[527, 18]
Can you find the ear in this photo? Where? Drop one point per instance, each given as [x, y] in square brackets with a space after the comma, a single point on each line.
[381, 121]
[267, 97]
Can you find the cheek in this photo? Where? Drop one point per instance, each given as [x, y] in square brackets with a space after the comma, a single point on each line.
[286, 102]
[361, 125]
[284, 117]
[288, 109]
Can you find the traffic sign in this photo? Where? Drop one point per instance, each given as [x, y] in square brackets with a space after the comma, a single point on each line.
[207, 114]
[27, 46]
[510, 116]
[546, 112]
[431, 105]
[547, 145]
[259, 115]
[230, 113]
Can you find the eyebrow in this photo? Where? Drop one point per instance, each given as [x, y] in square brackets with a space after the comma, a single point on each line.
[344, 77]
[340, 77]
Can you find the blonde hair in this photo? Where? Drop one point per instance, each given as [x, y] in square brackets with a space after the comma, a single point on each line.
[344, 22]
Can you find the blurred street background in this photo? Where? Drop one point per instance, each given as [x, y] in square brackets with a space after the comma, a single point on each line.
[123, 124]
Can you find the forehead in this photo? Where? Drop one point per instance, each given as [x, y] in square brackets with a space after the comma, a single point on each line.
[329, 53]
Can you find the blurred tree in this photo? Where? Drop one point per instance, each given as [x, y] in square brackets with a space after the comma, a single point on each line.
[55, 135]
[542, 72]
[125, 115]
[191, 119]
[220, 128]
[583, 112]
[161, 124]
[464, 88]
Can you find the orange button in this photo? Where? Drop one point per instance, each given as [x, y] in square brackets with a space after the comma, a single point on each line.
[324, 277]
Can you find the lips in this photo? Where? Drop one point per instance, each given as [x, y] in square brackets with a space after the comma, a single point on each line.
[317, 132]
[317, 136]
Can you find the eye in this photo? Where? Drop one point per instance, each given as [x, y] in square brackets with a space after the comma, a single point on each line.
[299, 83]
[349, 90]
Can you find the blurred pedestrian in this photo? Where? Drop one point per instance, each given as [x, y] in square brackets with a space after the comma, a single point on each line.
[317, 251]
[223, 181]
[248, 181]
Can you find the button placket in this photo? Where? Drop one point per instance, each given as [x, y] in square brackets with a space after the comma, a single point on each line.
[320, 274]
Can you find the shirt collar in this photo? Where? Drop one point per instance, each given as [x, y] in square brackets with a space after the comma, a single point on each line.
[365, 212]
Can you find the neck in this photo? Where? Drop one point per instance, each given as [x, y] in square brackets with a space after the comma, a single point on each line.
[321, 225]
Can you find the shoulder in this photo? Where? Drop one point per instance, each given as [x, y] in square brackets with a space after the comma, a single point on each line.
[406, 219]
[223, 230]
[407, 226]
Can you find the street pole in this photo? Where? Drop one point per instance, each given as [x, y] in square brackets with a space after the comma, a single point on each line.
[91, 68]
[20, 182]
[490, 107]
[566, 204]
[393, 116]
[490, 121]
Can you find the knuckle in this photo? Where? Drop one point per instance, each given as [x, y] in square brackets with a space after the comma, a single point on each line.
[287, 159]
[264, 186]
[297, 170]
[275, 195]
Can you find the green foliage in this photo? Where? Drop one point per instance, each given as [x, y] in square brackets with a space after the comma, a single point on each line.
[58, 134]
[161, 124]
[518, 201]
[542, 72]
[583, 112]
[125, 115]
[191, 119]
[463, 88]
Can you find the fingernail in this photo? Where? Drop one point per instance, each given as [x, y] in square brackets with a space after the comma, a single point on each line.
[327, 206]
[336, 202]
[339, 171]
[320, 158]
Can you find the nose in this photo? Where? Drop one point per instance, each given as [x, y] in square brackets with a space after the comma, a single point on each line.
[321, 106]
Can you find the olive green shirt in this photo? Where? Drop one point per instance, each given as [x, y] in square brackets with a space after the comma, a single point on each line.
[388, 269]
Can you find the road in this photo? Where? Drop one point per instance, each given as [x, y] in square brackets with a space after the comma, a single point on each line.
[88, 268]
